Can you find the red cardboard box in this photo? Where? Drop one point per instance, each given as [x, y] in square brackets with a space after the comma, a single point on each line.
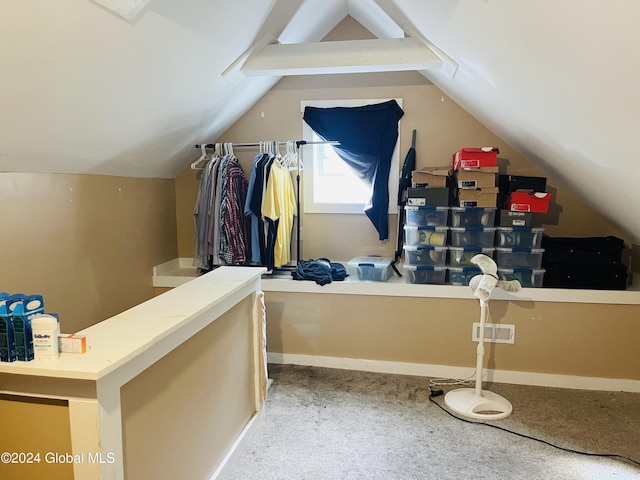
[475, 157]
[528, 201]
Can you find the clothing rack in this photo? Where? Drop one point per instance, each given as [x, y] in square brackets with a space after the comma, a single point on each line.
[298, 143]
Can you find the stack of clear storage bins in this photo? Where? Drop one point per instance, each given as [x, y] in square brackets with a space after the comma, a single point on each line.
[425, 251]
[472, 232]
[519, 256]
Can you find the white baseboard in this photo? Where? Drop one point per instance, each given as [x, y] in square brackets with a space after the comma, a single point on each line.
[226, 465]
[444, 371]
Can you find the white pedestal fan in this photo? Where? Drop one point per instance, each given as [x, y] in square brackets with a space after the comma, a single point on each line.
[476, 402]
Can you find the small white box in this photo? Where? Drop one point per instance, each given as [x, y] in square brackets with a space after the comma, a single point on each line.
[72, 343]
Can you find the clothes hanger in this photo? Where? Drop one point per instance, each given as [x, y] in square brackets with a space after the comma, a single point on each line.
[292, 155]
[203, 156]
[278, 155]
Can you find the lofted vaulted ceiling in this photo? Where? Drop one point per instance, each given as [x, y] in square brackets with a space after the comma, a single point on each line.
[127, 88]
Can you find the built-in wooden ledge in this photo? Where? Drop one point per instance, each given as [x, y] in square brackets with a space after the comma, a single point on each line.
[180, 270]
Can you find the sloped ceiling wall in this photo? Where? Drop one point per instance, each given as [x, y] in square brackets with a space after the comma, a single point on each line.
[84, 90]
[555, 80]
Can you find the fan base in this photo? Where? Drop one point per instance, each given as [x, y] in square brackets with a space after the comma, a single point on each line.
[486, 406]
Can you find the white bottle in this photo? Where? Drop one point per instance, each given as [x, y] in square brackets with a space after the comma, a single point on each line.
[45, 330]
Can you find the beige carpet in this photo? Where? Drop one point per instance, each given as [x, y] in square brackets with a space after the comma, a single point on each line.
[324, 424]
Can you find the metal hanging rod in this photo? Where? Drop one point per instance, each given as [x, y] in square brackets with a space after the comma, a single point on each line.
[257, 144]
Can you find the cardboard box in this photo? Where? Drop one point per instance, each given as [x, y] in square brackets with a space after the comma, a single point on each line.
[8, 351]
[527, 201]
[481, 197]
[428, 196]
[72, 343]
[475, 157]
[433, 177]
[514, 219]
[511, 183]
[476, 177]
[23, 312]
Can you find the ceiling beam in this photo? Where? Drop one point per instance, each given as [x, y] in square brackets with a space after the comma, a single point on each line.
[127, 9]
[352, 56]
[391, 9]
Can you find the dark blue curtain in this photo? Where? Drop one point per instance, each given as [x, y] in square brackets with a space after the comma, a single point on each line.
[367, 137]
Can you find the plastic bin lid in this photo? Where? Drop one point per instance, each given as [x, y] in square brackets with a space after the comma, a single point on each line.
[413, 248]
[474, 228]
[371, 260]
[423, 267]
[472, 248]
[473, 209]
[521, 229]
[425, 207]
[426, 227]
[466, 268]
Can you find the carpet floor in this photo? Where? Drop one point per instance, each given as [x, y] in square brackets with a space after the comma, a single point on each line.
[328, 424]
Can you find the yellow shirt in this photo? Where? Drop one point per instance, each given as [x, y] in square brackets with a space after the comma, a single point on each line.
[279, 203]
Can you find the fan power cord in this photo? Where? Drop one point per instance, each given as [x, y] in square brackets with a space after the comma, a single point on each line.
[437, 393]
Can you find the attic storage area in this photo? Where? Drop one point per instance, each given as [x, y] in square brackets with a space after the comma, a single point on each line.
[102, 109]
[442, 128]
[392, 312]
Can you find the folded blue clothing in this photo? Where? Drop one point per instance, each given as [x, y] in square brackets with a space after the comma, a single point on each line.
[322, 271]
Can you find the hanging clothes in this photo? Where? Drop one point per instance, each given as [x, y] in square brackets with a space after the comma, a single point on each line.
[242, 221]
[271, 225]
[280, 205]
[252, 211]
[223, 234]
[202, 218]
[213, 224]
[235, 229]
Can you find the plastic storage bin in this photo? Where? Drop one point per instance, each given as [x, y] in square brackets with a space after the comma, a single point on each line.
[518, 257]
[528, 277]
[429, 215]
[519, 237]
[472, 236]
[425, 255]
[425, 274]
[472, 216]
[462, 275]
[424, 235]
[370, 268]
[461, 256]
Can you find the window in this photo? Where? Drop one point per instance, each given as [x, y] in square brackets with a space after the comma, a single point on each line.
[329, 185]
